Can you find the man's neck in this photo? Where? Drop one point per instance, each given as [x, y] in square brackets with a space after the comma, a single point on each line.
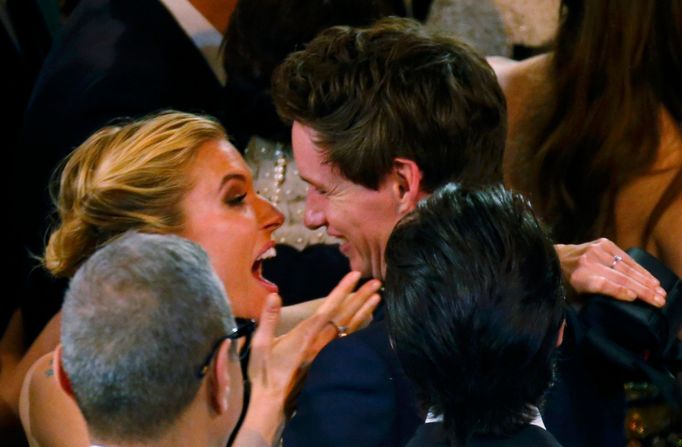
[217, 12]
[186, 431]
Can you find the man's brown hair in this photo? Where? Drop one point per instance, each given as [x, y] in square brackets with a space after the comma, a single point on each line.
[393, 90]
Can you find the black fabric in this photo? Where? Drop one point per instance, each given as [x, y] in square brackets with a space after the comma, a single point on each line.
[606, 344]
[586, 406]
[22, 50]
[355, 394]
[433, 435]
[635, 341]
[307, 274]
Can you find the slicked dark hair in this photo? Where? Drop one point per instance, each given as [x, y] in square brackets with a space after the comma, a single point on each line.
[475, 303]
[393, 90]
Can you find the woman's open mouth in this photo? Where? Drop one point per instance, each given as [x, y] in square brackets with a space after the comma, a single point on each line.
[257, 269]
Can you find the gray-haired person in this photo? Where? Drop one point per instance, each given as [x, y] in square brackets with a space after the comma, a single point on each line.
[149, 350]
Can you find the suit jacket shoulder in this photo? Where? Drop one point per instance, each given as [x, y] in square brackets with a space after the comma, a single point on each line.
[355, 395]
[433, 435]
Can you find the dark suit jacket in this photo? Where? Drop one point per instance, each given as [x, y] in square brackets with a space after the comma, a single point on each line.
[113, 58]
[356, 394]
[432, 435]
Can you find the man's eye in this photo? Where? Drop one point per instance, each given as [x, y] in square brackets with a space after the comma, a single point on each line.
[236, 200]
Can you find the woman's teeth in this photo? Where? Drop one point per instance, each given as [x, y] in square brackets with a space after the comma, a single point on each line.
[267, 254]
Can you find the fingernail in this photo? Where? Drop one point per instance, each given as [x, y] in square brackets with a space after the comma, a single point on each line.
[660, 299]
[661, 291]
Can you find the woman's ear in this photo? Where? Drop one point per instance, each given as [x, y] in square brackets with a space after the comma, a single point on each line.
[408, 184]
[219, 380]
[62, 378]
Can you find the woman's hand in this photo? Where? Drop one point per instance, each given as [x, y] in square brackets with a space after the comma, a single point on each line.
[276, 364]
[602, 267]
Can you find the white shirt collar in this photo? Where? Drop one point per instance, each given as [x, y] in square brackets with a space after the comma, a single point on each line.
[204, 35]
[537, 421]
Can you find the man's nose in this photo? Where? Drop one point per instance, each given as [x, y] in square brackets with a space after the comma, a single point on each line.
[313, 217]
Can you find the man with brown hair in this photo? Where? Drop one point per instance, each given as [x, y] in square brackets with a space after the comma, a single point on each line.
[381, 117]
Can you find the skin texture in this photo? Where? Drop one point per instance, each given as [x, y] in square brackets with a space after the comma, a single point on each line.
[224, 215]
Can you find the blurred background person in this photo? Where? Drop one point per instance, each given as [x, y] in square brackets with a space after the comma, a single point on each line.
[511, 28]
[595, 142]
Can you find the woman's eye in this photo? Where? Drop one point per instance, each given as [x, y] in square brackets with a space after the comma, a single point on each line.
[236, 200]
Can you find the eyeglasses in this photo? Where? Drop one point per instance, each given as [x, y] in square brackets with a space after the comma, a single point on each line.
[244, 328]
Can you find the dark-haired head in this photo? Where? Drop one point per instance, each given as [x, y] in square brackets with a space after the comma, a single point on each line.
[261, 35]
[393, 90]
[475, 307]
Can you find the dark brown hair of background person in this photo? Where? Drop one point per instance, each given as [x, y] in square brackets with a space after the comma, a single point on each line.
[260, 36]
[366, 115]
[615, 65]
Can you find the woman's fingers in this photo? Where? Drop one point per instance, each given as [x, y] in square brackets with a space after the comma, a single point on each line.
[364, 315]
[602, 267]
[353, 302]
[263, 338]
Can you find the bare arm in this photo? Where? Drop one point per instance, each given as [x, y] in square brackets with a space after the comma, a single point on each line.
[11, 381]
[49, 416]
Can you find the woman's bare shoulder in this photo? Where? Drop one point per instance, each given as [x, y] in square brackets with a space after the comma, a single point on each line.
[49, 416]
[516, 76]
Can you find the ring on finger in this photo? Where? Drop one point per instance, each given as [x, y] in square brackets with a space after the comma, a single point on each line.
[341, 331]
[616, 260]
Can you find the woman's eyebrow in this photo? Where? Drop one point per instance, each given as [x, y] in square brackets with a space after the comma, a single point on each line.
[232, 176]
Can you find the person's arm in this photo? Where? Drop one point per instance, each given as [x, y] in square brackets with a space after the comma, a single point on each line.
[276, 364]
[586, 267]
[49, 416]
[10, 384]
[602, 267]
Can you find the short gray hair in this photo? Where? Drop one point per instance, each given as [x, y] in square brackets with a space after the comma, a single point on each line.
[139, 319]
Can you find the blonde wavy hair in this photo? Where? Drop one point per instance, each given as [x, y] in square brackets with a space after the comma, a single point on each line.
[129, 177]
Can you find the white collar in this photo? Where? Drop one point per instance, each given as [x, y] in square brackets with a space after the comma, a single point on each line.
[204, 35]
[537, 421]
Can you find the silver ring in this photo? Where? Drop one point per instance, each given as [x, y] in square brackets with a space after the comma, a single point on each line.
[616, 260]
[341, 331]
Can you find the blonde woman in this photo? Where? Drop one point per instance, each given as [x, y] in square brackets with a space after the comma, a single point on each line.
[177, 173]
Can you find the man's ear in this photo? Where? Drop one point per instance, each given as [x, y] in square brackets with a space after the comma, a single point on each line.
[62, 378]
[219, 380]
[560, 337]
[408, 186]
